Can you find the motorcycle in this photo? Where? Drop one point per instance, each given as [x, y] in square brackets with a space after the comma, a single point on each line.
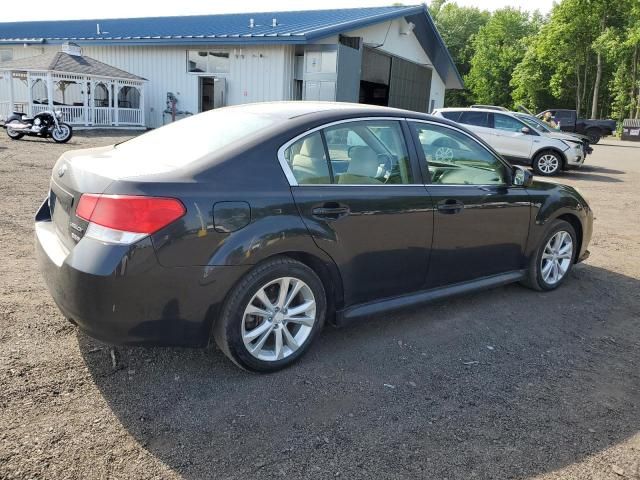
[44, 124]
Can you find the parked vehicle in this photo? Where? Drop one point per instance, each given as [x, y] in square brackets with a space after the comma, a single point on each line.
[44, 124]
[491, 107]
[516, 141]
[568, 122]
[290, 215]
[542, 127]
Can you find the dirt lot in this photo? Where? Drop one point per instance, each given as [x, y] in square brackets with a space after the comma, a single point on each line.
[507, 383]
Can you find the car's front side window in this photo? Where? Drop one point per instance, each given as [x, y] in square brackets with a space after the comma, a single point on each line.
[506, 123]
[454, 158]
[368, 152]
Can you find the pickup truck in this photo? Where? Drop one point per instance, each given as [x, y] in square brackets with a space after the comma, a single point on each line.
[594, 129]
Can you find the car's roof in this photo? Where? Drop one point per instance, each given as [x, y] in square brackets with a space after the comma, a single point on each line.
[294, 109]
[474, 109]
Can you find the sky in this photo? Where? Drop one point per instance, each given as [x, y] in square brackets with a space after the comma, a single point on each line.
[14, 11]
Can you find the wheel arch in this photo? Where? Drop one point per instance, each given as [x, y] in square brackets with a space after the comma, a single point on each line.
[326, 270]
[542, 150]
[575, 222]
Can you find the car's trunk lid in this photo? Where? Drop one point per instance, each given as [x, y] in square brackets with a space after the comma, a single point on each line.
[71, 177]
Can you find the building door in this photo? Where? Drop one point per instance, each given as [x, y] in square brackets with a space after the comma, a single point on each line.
[212, 93]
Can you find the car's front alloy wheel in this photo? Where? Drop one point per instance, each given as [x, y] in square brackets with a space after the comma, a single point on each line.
[554, 258]
[272, 316]
[547, 164]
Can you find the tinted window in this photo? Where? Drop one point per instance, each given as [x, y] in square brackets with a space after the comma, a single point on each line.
[308, 161]
[480, 119]
[451, 115]
[453, 158]
[563, 116]
[504, 122]
[368, 153]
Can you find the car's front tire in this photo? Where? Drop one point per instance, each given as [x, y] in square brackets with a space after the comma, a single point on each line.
[547, 163]
[272, 315]
[551, 263]
[594, 136]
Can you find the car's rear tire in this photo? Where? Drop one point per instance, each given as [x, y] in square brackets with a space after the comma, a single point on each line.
[594, 136]
[257, 329]
[552, 261]
[547, 163]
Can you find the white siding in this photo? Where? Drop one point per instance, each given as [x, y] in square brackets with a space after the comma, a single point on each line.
[257, 74]
[437, 91]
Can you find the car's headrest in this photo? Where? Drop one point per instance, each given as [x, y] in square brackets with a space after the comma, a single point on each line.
[364, 162]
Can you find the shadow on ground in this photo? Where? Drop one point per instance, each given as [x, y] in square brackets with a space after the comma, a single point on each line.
[506, 383]
[621, 145]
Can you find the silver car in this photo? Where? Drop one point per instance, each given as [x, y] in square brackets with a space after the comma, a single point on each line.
[517, 141]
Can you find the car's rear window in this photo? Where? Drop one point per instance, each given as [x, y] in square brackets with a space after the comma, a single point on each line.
[187, 140]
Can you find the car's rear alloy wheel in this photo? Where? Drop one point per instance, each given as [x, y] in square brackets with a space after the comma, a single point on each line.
[547, 164]
[278, 319]
[554, 258]
[272, 316]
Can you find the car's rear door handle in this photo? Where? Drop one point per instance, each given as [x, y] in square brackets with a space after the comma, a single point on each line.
[331, 210]
[450, 206]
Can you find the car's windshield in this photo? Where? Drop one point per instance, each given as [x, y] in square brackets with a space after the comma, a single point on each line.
[534, 123]
[187, 140]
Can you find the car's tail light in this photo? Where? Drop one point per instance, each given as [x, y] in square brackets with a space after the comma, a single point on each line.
[125, 218]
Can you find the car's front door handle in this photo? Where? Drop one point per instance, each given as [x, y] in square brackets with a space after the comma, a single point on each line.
[450, 206]
[332, 211]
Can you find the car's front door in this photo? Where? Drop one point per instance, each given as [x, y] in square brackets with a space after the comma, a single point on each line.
[364, 204]
[510, 140]
[481, 221]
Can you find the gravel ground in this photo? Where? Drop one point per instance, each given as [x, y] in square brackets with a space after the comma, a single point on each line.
[507, 383]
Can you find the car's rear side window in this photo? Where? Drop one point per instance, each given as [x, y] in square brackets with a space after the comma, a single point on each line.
[453, 116]
[479, 119]
[364, 152]
[308, 160]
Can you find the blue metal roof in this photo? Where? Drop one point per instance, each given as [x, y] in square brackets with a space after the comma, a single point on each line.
[291, 27]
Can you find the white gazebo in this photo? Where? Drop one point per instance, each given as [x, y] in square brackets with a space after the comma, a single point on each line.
[88, 92]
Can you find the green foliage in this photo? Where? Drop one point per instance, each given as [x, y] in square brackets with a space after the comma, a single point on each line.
[510, 57]
[499, 48]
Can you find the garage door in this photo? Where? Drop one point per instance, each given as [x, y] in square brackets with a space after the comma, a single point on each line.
[410, 85]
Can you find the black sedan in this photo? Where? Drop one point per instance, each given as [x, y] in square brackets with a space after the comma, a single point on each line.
[256, 224]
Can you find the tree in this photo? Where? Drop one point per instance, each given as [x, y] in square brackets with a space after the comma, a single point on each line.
[499, 48]
[458, 27]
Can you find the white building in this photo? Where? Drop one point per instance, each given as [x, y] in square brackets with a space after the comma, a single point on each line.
[388, 56]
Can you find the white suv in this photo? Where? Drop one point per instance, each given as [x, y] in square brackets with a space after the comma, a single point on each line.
[516, 141]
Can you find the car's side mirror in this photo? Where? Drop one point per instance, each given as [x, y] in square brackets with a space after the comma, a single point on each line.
[522, 177]
[526, 130]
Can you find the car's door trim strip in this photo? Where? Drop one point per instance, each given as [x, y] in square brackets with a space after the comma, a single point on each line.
[426, 296]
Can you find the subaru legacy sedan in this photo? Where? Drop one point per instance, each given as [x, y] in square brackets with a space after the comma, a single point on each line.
[254, 225]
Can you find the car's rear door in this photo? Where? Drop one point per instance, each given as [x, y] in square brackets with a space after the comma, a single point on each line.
[481, 221]
[364, 203]
[510, 140]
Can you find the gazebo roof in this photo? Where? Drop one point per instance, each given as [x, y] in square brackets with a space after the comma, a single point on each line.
[64, 62]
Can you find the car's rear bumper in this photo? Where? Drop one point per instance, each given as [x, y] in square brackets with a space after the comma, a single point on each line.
[121, 295]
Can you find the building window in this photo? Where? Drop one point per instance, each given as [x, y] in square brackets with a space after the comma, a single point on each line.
[207, 62]
[6, 54]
